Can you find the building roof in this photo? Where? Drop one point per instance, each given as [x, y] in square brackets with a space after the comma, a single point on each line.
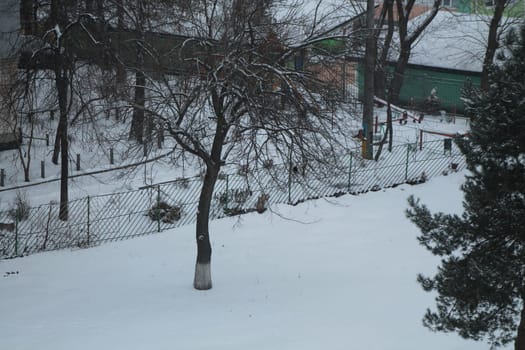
[453, 41]
[416, 11]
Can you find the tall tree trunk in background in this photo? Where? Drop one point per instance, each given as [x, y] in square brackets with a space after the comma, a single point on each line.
[26, 16]
[56, 148]
[89, 6]
[120, 70]
[137, 121]
[519, 343]
[369, 69]
[99, 8]
[492, 43]
[27, 165]
[55, 16]
[59, 18]
[380, 82]
[61, 80]
[399, 73]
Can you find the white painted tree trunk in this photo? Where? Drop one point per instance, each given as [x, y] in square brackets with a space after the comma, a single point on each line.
[202, 280]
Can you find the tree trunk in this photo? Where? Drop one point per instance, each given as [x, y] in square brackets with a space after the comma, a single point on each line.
[202, 279]
[368, 103]
[56, 148]
[519, 344]
[26, 16]
[381, 70]
[121, 72]
[100, 8]
[399, 74]
[137, 121]
[89, 6]
[492, 43]
[61, 84]
[27, 164]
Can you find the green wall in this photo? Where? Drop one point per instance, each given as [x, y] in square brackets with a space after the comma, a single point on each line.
[514, 9]
[419, 81]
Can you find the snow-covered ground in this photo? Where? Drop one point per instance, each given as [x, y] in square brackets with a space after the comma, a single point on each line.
[326, 274]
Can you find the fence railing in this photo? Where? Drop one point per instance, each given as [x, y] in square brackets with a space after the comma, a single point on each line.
[102, 218]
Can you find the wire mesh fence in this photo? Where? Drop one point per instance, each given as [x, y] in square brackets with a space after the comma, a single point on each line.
[102, 218]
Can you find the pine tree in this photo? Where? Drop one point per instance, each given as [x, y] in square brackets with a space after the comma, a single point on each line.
[480, 283]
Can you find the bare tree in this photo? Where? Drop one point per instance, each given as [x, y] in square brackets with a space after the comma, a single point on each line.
[380, 76]
[406, 41]
[238, 97]
[493, 40]
[379, 84]
[369, 70]
[54, 28]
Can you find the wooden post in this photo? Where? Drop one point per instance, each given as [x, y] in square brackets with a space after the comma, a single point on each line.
[42, 169]
[420, 140]
[47, 140]
[2, 177]
[111, 159]
[78, 162]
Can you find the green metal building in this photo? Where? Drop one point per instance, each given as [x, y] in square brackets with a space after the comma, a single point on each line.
[419, 81]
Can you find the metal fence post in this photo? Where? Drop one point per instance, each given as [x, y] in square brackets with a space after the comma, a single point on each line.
[88, 218]
[350, 172]
[290, 182]
[227, 193]
[158, 208]
[16, 233]
[406, 164]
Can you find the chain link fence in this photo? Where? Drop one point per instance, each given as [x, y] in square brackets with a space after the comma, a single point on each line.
[110, 217]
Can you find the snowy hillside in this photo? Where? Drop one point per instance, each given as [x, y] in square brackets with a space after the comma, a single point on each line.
[327, 274]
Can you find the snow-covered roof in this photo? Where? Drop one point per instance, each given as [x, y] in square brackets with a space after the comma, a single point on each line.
[453, 41]
[315, 17]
